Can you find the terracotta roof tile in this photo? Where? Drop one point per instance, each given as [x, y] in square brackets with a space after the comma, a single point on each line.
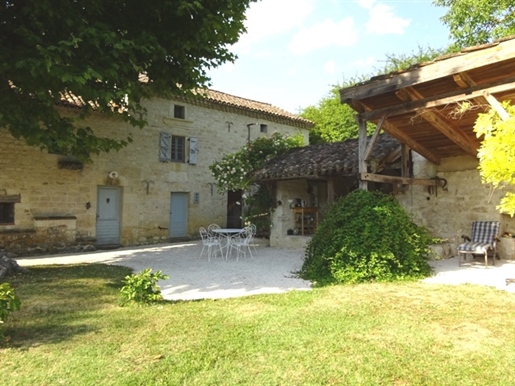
[253, 108]
[324, 160]
[216, 99]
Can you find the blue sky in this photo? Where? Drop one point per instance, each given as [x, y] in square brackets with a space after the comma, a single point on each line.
[295, 50]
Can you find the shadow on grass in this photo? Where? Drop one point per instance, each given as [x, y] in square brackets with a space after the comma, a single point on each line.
[61, 301]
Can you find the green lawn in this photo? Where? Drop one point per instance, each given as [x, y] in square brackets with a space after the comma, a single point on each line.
[71, 331]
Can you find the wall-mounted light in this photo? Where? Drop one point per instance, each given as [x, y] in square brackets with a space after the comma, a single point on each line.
[88, 205]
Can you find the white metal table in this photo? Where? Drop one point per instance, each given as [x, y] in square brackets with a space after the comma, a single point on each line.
[227, 233]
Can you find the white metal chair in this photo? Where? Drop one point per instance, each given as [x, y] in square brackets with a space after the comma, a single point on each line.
[241, 242]
[209, 242]
[253, 230]
[484, 238]
[210, 228]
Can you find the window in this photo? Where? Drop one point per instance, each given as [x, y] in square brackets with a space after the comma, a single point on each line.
[172, 148]
[263, 128]
[179, 112]
[7, 213]
[178, 149]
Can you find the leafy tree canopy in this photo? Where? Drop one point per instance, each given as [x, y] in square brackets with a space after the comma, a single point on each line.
[473, 22]
[97, 50]
[497, 152]
[335, 121]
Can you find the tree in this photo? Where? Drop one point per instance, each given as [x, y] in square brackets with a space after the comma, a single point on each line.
[98, 50]
[497, 151]
[473, 22]
[333, 120]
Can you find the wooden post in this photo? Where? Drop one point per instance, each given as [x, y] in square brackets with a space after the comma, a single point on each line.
[362, 148]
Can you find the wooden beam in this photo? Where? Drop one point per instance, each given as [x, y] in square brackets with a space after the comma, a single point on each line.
[497, 52]
[405, 159]
[397, 180]
[438, 121]
[496, 106]
[10, 198]
[464, 80]
[402, 137]
[362, 147]
[441, 100]
[373, 139]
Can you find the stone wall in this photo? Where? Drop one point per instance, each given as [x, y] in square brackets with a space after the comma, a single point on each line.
[449, 213]
[53, 187]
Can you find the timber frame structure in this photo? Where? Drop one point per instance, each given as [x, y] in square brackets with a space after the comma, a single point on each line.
[431, 108]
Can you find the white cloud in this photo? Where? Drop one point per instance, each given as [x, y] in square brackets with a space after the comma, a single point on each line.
[330, 67]
[383, 20]
[368, 4]
[324, 34]
[271, 18]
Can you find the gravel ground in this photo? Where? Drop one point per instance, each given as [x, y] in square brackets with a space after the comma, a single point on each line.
[272, 270]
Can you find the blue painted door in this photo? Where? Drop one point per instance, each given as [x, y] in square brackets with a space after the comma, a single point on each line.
[178, 214]
[108, 215]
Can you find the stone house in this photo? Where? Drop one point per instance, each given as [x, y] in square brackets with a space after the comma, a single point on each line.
[306, 179]
[431, 108]
[158, 188]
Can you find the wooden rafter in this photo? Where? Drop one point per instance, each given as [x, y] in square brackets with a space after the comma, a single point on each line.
[436, 119]
[498, 52]
[403, 137]
[442, 99]
[398, 180]
[464, 81]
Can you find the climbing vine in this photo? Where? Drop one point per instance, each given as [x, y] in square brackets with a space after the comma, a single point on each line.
[234, 172]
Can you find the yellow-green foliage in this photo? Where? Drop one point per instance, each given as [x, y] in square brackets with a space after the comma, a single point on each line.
[497, 153]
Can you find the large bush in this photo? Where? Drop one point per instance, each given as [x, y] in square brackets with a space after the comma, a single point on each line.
[366, 236]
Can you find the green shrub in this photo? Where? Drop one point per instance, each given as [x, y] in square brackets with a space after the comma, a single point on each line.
[9, 302]
[142, 288]
[366, 236]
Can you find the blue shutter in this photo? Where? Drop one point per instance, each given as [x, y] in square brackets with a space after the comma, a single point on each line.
[193, 151]
[165, 146]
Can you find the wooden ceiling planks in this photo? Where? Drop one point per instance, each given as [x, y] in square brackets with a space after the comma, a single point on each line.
[425, 105]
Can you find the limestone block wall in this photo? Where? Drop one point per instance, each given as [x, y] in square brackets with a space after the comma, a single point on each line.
[49, 191]
[282, 218]
[449, 213]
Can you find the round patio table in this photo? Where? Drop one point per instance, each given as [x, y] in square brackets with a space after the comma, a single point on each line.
[227, 233]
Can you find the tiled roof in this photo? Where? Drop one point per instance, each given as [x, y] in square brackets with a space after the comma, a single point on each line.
[324, 160]
[222, 101]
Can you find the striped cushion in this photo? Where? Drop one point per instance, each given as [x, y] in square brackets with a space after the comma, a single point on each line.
[483, 237]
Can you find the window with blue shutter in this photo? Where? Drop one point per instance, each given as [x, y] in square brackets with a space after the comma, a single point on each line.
[192, 160]
[165, 146]
[172, 148]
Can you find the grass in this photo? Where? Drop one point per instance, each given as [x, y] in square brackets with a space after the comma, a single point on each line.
[72, 331]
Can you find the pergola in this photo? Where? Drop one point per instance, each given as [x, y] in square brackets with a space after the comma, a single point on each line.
[431, 108]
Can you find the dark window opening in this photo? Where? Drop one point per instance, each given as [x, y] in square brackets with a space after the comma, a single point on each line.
[263, 128]
[179, 112]
[7, 213]
[178, 149]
